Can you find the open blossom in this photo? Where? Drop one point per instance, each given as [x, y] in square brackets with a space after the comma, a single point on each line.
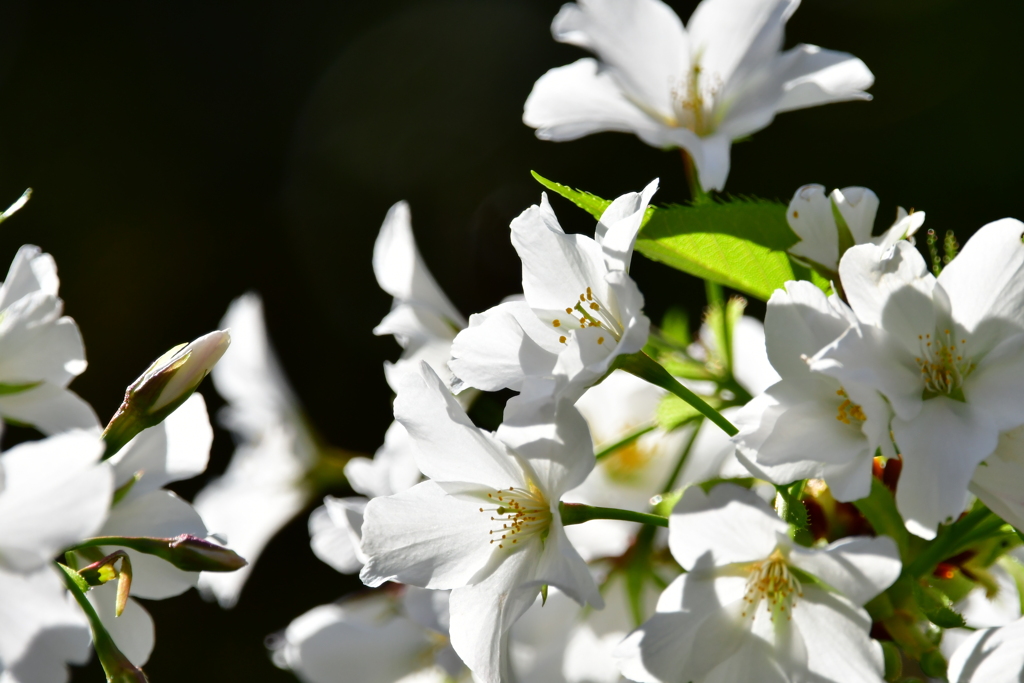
[486, 524]
[41, 349]
[384, 637]
[264, 486]
[811, 215]
[581, 308]
[53, 494]
[810, 425]
[335, 528]
[422, 319]
[753, 606]
[721, 78]
[947, 353]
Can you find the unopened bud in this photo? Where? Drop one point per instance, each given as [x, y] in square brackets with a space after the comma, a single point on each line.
[186, 552]
[98, 573]
[168, 383]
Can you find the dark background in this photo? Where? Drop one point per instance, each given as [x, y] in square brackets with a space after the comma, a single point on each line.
[182, 153]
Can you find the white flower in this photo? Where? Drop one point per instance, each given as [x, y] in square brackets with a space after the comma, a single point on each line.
[811, 215]
[997, 480]
[422, 319]
[810, 425]
[486, 524]
[993, 655]
[41, 350]
[335, 528]
[176, 449]
[947, 353]
[579, 290]
[264, 486]
[719, 79]
[377, 638]
[53, 494]
[753, 605]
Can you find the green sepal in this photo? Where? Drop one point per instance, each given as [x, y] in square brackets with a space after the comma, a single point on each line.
[893, 660]
[75, 578]
[543, 594]
[121, 491]
[789, 506]
[936, 607]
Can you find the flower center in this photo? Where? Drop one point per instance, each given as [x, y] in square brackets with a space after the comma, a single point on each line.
[770, 580]
[944, 365]
[590, 311]
[626, 463]
[692, 101]
[517, 514]
[848, 410]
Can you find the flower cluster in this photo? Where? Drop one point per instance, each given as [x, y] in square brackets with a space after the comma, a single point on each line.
[93, 497]
[840, 485]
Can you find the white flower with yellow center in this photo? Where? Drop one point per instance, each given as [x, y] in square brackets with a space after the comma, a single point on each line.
[947, 353]
[485, 525]
[810, 425]
[754, 606]
[721, 78]
[581, 308]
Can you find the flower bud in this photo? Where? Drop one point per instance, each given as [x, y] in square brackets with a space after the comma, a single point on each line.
[186, 552]
[168, 382]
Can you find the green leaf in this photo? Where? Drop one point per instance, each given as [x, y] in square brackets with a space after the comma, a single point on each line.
[590, 203]
[740, 243]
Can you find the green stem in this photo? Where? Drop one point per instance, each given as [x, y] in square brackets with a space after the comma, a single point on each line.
[646, 368]
[697, 193]
[670, 482]
[624, 441]
[577, 513]
[115, 665]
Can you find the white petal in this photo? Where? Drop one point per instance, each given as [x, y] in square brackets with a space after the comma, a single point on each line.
[425, 537]
[50, 409]
[858, 206]
[448, 446]
[502, 346]
[986, 279]
[810, 216]
[737, 35]
[40, 631]
[835, 635]
[562, 567]
[619, 225]
[557, 268]
[996, 387]
[750, 358]
[859, 568]
[941, 448]
[989, 656]
[996, 481]
[817, 76]
[729, 524]
[157, 514]
[400, 269]
[981, 611]
[37, 344]
[262, 490]
[362, 638]
[178, 448]
[891, 290]
[642, 41]
[557, 452]
[335, 530]
[31, 271]
[572, 101]
[55, 494]
[482, 614]
[799, 322]
[249, 376]
[392, 469]
[133, 632]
